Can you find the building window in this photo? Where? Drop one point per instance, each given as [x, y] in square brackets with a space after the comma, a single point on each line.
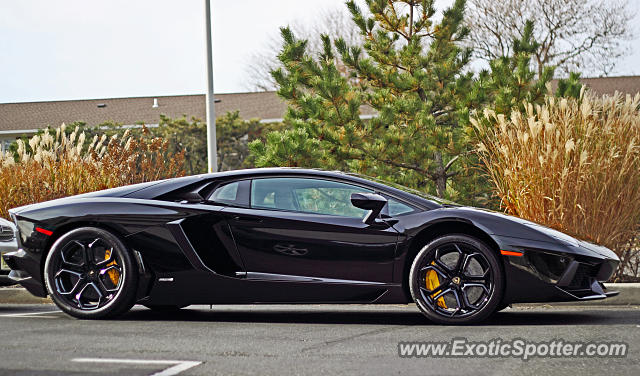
[4, 145]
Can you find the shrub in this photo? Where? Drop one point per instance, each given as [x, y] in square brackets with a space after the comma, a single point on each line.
[233, 137]
[189, 135]
[62, 164]
[570, 164]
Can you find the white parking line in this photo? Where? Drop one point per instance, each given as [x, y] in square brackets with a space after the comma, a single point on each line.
[28, 314]
[178, 365]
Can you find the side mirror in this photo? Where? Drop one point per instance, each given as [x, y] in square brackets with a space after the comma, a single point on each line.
[369, 201]
[192, 198]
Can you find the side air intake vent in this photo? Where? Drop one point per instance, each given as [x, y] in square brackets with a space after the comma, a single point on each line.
[212, 241]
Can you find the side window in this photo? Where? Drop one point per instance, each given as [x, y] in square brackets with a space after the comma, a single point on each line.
[307, 196]
[398, 208]
[227, 192]
[235, 193]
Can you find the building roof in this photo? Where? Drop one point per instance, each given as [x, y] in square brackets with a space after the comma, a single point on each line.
[263, 105]
[609, 85]
[36, 115]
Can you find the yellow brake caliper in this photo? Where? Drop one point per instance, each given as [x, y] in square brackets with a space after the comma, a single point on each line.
[433, 282]
[114, 275]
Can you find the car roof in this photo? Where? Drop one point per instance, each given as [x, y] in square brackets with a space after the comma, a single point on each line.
[276, 171]
[169, 185]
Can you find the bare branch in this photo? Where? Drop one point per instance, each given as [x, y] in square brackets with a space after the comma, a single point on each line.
[336, 23]
[588, 36]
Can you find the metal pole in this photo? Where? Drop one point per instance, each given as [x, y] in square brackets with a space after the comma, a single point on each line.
[212, 149]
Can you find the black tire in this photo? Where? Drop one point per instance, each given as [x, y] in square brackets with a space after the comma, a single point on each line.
[462, 265]
[164, 308]
[90, 274]
[502, 306]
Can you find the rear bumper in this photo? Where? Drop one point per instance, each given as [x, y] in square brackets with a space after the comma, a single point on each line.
[25, 270]
[5, 280]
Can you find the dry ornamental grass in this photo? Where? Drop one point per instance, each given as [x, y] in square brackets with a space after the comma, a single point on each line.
[58, 165]
[570, 164]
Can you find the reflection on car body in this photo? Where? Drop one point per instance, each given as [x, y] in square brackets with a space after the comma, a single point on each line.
[284, 235]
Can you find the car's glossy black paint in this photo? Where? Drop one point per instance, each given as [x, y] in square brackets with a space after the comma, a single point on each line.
[198, 252]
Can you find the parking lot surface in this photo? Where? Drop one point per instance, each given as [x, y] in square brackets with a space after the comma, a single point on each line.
[299, 340]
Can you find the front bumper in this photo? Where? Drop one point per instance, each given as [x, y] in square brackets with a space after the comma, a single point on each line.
[583, 280]
[554, 271]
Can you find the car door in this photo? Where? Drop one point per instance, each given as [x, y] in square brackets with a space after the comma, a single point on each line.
[307, 227]
[209, 234]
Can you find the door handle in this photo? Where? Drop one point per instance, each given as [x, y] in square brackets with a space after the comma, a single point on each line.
[242, 218]
[391, 221]
[388, 219]
[381, 224]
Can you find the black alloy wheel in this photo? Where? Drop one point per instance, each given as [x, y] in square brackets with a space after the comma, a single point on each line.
[90, 274]
[456, 279]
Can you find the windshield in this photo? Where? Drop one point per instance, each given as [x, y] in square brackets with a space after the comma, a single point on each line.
[412, 191]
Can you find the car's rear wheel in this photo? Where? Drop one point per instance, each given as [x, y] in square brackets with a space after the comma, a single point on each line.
[90, 274]
[456, 279]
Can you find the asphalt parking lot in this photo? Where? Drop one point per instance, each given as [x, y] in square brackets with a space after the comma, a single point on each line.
[303, 339]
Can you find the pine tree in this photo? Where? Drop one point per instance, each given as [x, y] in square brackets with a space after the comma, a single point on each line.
[569, 87]
[511, 80]
[412, 71]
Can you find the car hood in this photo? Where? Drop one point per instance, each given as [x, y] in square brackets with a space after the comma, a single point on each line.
[496, 223]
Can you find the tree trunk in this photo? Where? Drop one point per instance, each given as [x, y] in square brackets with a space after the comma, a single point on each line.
[439, 176]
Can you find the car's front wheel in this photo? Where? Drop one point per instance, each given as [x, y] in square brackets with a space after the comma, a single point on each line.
[90, 274]
[456, 279]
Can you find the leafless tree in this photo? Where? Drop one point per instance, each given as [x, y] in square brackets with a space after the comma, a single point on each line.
[629, 269]
[336, 23]
[587, 36]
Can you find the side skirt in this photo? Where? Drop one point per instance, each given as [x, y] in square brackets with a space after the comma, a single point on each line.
[199, 287]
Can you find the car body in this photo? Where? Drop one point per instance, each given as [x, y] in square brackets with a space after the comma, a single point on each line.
[284, 235]
[8, 243]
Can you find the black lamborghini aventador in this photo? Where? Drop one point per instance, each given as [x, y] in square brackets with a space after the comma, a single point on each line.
[293, 236]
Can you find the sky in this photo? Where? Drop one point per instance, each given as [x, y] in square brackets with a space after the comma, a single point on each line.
[83, 49]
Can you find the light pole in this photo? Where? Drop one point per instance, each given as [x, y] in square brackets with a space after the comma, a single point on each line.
[212, 148]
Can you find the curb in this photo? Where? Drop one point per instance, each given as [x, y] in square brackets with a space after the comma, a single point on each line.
[629, 295]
